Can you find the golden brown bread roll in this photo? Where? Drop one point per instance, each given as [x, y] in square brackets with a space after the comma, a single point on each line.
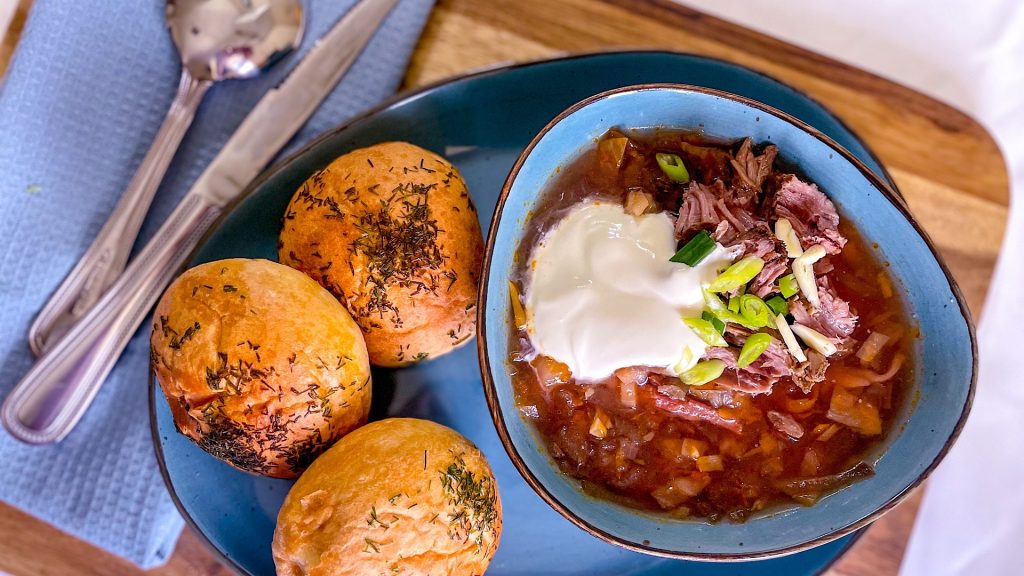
[397, 496]
[261, 366]
[391, 231]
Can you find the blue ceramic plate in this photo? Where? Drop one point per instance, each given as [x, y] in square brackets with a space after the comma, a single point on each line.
[481, 122]
[943, 358]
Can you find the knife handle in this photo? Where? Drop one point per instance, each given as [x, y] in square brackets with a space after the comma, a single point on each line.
[107, 256]
[57, 390]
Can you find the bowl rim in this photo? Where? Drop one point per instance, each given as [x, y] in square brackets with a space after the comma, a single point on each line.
[490, 390]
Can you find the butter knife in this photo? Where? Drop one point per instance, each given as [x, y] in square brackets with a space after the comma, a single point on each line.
[52, 397]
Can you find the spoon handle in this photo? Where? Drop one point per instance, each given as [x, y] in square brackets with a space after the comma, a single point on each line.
[107, 257]
[56, 392]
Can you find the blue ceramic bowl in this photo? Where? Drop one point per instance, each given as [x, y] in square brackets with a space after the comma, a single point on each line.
[944, 361]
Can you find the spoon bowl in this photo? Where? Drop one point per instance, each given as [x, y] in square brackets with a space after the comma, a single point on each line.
[217, 40]
[225, 39]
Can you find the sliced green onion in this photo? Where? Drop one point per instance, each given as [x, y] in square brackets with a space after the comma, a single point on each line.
[755, 345]
[703, 372]
[734, 304]
[719, 309]
[738, 274]
[788, 286]
[754, 310]
[777, 304]
[696, 250]
[673, 167]
[714, 303]
[709, 317]
[686, 361]
[706, 331]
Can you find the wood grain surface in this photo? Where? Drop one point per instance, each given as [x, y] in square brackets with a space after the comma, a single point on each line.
[12, 19]
[946, 165]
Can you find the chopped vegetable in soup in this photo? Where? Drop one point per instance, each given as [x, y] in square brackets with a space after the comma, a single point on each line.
[696, 331]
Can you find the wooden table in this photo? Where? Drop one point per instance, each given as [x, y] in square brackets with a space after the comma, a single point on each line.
[947, 166]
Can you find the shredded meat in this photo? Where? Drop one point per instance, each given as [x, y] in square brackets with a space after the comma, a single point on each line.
[833, 317]
[812, 214]
[774, 362]
[811, 372]
[717, 397]
[786, 424]
[738, 199]
[738, 218]
[759, 241]
[710, 162]
[764, 283]
[697, 211]
[752, 170]
[696, 412]
[759, 376]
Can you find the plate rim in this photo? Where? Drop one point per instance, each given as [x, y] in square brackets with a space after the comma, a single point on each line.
[889, 192]
[409, 95]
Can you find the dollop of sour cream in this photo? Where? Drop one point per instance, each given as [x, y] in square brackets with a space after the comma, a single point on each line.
[601, 293]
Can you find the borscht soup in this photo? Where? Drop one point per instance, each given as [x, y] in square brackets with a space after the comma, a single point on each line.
[697, 331]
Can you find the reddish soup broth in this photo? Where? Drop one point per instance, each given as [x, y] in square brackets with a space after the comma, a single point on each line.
[714, 451]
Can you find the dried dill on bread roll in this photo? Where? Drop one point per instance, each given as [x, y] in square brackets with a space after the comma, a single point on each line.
[391, 231]
[261, 366]
[397, 496]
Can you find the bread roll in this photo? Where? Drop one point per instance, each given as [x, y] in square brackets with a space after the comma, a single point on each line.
[261, 366]
[391, 231]
[397, 496]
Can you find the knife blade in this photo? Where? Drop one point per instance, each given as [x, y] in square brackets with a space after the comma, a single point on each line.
[286, 108]
[54, 394]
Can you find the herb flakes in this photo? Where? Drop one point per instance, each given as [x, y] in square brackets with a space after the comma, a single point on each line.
[474, 502]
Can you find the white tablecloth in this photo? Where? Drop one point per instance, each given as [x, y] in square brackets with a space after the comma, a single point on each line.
[970, 55]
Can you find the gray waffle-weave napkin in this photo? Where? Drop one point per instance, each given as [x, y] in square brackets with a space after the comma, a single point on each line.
[82, 100]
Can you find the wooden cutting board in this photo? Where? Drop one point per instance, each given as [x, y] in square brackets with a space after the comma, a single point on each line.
[945, 163]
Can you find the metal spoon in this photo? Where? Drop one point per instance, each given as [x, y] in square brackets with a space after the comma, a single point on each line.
[217, 40]
[54, 394]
